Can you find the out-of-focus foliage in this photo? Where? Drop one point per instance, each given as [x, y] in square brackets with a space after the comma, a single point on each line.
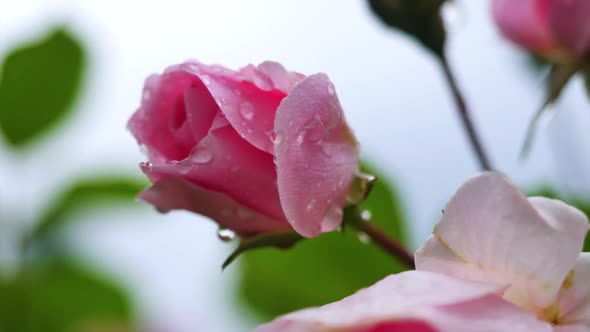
[84, 193]
[420, 19]
[49, 292]
[38, 84]
[324, 269]
[60, 296]
[558, 78]
[582, 204]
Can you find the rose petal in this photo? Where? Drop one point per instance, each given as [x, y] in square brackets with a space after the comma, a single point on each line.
[249, 108]
[491, 232]
[316, 156]
[525, 22]
[574, 299]
[442, 303]
[224, 162]
[570, 20]
[281, 78]
[161, 122]
[570, 328]
[175, 193]
[398, 326]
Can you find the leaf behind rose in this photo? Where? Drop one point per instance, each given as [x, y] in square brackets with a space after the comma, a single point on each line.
[324, 269]
[39, 82]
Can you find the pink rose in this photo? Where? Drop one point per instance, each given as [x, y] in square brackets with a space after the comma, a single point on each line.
[257, 150]
[548, 27]
[497, 261]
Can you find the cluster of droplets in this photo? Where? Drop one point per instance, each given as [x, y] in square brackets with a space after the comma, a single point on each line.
[365, 217]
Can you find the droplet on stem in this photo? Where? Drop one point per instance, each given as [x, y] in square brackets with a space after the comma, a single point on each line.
[225, 235]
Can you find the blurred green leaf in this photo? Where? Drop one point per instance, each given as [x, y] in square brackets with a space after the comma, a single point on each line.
[558, 78]
[586, 73]
[582, 205]
[420, 19]
[38, 84]
[84, 193]
[324, 269]
[61, 296]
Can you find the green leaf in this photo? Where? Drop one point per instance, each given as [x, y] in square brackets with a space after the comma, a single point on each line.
[38, 84]
[62, 296]
[558, 78]
[420, 19]
[586, 73]
[324, 269]
[582, 205]
[82, 194]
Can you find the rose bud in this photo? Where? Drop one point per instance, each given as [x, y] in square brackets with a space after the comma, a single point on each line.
[552, 28]
[257, 150]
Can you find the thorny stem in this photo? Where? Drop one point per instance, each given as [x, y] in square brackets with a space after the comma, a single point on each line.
[476, 144]
[377, 236]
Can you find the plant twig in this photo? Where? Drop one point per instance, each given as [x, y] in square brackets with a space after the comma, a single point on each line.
[476, 144]
[377, 236]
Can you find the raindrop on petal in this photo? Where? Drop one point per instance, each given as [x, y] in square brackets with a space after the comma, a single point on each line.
[247, 110]
[162, 210]
[311, 204]
[277, 137]
[332, 219]
[225, 235]
[331, 90]
[201, 156]
[147, 167]
[206, 80]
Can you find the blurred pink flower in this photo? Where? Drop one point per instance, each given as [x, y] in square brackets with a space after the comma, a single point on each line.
[548, 27]
[497, 261]
[257, 150]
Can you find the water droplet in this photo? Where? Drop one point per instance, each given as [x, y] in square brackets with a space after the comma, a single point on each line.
[247, 110]
[331, 90]
[311, 204]
[147, 167]
[244, 213]
[221, 100]
[277, 137]
[206, 79]
[225, 235]
[366, 215]
[221, 115]
[162, 210]
[313, 130]
[364, 238]
[360, 187]
[201, 156]
[300, 138]
[332, 219]
[249, 130]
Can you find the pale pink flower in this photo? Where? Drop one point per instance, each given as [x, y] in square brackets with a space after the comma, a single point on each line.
[496, 262]
[260, 149]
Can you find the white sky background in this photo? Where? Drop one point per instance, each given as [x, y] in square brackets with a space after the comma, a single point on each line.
[391, 89]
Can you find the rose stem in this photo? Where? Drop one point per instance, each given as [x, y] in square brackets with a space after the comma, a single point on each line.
[377, 236]
[476, 145]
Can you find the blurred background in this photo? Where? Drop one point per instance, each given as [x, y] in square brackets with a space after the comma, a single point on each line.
[104, 262]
